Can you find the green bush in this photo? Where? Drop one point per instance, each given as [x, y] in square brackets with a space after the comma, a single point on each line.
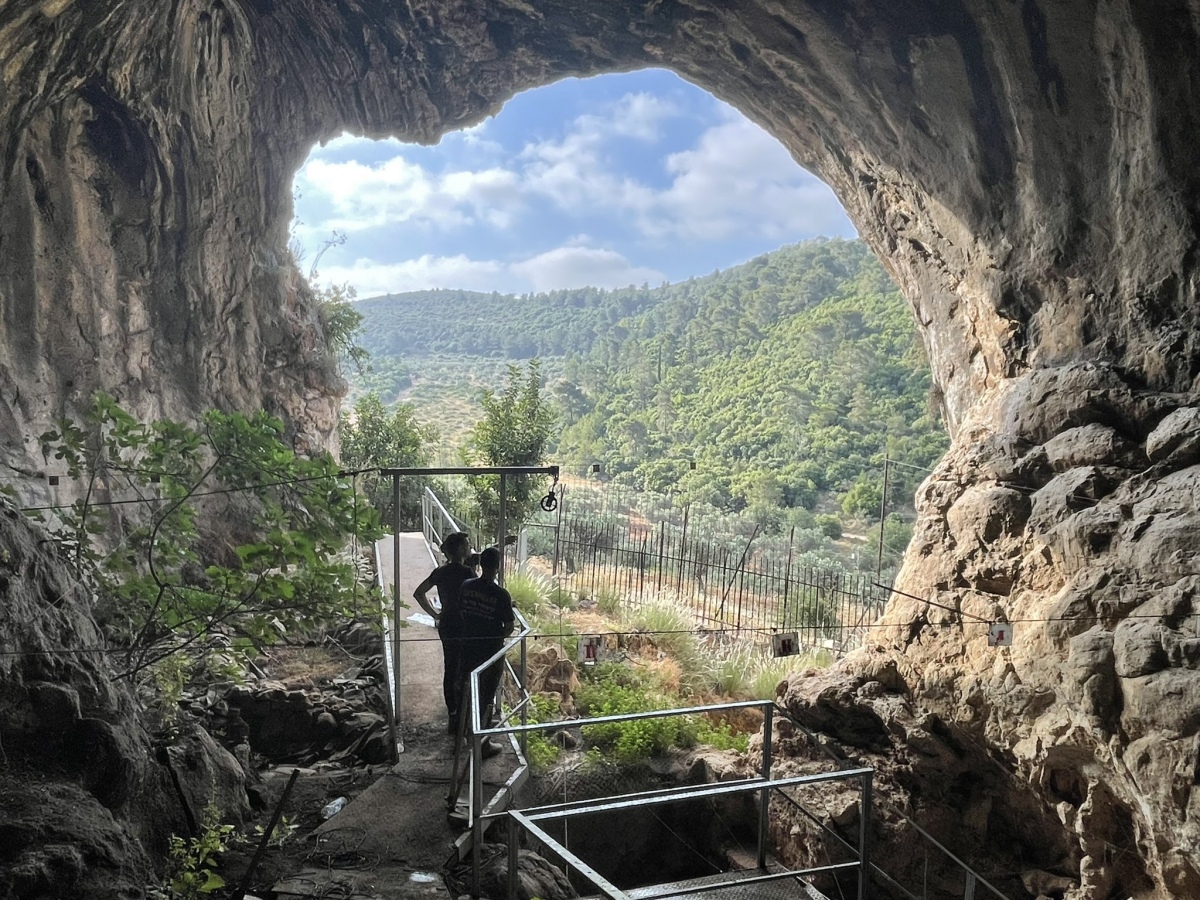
[542, 752]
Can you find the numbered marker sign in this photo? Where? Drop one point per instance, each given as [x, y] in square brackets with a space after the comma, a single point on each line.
[591, 647]
[785, 644]
[1000, 634]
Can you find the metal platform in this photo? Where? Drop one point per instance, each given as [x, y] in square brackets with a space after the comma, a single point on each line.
[733, 886]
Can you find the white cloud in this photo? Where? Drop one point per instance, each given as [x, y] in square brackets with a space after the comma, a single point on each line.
[371, 278]
[738, 180]
[574, 173]
[562, 267]
[575, 266]
[398, 191]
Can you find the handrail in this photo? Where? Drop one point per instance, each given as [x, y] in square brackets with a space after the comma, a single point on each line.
[529, 819]
[430, 504]
[972, 877]
[474, 765]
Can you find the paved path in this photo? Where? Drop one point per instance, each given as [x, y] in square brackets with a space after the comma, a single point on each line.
[394, 840]
[420, 650]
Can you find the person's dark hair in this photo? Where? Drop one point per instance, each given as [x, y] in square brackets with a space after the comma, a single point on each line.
[489, 559]
[456, 541]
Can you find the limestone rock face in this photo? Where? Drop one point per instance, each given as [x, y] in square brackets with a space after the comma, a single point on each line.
[88, 804]
[1096, 706]
[1025, 171]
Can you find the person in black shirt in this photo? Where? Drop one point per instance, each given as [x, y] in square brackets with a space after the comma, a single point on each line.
[448, 578]
[486, 619]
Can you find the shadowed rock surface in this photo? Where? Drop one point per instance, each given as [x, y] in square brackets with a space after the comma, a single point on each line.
[1025, 171]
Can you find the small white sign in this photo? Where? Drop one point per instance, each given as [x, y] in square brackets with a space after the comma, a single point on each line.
[591, 647]
[785, 644]
[1000, 634]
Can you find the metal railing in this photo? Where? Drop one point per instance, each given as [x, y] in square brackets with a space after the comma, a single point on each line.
[469, 772]
[436, 522]
[971, 878]
[763, 784]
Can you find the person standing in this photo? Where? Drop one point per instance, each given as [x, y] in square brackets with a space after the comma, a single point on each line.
[486, 618]
[448, 579]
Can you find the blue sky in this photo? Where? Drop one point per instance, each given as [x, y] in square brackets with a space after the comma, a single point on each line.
[607, 181]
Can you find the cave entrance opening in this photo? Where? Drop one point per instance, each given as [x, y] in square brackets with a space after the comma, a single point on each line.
[540, 232]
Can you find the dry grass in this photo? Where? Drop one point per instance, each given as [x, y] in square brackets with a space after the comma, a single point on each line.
[303, 667]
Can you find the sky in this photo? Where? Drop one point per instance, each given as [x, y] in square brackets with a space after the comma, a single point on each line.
[606, 181]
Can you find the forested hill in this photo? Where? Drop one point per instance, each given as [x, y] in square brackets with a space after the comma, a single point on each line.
[785, 380]
[507, 325]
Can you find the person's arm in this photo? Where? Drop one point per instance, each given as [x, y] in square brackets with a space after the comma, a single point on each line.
[424, 602]
[506, 613]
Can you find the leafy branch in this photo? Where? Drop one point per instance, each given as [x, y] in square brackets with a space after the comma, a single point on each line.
[277, 567]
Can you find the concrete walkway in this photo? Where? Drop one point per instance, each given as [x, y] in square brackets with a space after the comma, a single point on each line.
[394, 840]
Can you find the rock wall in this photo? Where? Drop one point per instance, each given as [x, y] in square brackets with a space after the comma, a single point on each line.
[89, 801]
[1025, 170]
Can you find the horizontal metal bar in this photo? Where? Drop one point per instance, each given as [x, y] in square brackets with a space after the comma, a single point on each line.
[690, 792]
[475, 470]
[631, 717]
[676, 890]
[606, 886]
[929, 837]
[756, 783]
[845, 843]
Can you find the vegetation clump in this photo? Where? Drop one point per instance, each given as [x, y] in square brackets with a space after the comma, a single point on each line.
[274, 565]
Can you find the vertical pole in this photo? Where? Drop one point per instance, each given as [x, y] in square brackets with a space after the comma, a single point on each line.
[662, 536]
[523, 678]
[512, 854]
[787, 577]
[682, 551]
[502, 525]
[864, 825]
[887, 463]
[562, 501]
[476, 785]
[764, 804]
[397, 736]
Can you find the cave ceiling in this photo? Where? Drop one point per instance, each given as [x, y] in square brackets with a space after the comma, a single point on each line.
[1025, 170]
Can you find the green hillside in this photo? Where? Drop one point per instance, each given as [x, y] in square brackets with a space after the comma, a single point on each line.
[784, 380]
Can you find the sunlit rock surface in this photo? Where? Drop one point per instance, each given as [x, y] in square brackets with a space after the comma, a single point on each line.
[1026, 171]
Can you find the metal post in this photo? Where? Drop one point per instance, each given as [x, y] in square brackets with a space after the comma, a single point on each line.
[523, 681]
[864, 828]
[787, 578]
[969, 887]
[682, 548]
[887, 462]
[512, 857]
[502, 525]
[398, 736]
[476, 786]
[764, 804]
[562, 502]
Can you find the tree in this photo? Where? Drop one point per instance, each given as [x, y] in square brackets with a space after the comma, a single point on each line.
[342, 324]
[373, 438]
[516, 429]
[277, 568]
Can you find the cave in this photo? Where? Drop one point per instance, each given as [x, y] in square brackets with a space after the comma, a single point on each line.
[1024, 171]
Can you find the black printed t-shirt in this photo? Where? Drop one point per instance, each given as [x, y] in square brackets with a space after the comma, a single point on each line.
[448, 579]
[485, 609]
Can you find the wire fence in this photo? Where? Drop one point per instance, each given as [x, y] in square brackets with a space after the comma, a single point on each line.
[726, 589]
